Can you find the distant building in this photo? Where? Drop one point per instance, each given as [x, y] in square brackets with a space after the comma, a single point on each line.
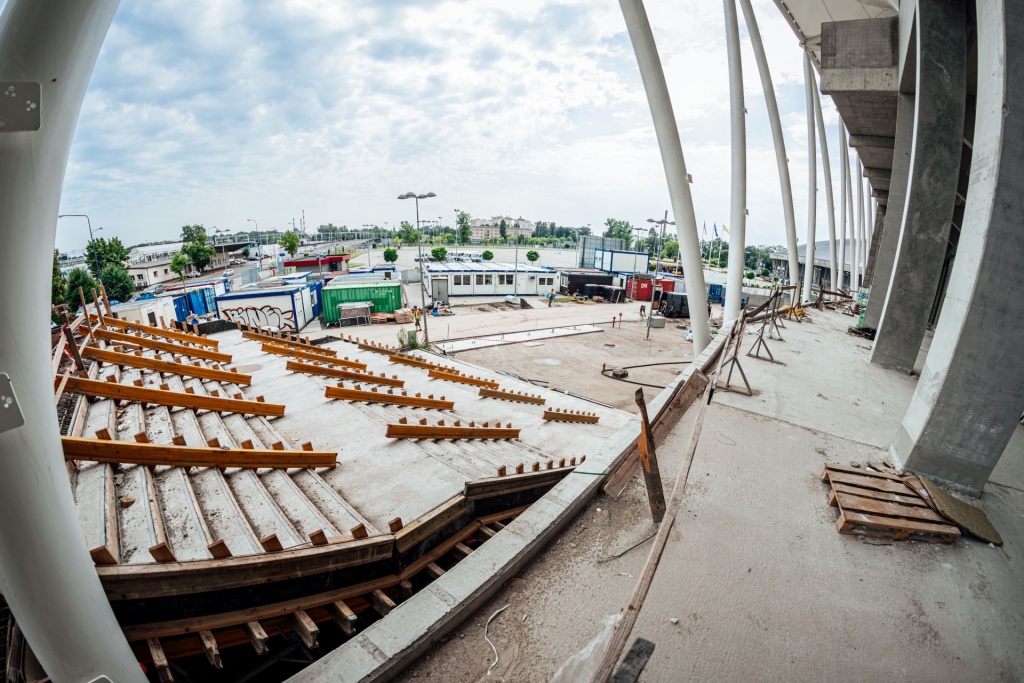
[490, 228]
[151, 271]
[589, 244]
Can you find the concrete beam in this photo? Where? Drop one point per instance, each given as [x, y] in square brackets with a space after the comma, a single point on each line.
[971, 390]
[859, 55]
[878, 173]
[941, 100]
[875, 141]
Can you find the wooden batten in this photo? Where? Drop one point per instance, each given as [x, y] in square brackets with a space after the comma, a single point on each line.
[306, 629]
[257, 636]
[518, 397]
[424, 431]
[219, 549]
[186, 399]
[458, 377]
[341, 373]
[157, 331]
[312, 356]
[158, 345]
[94, 450]
[161, 552]
[374, 396]
[381, 603]
[271, 543]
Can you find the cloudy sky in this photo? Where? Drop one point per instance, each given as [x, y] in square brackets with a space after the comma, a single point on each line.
[217, 111]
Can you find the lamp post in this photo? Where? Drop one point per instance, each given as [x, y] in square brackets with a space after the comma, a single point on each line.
[369, 260]
[657, 264]
[89, 223]
[259, 241]
[456, 229]
[419, 248]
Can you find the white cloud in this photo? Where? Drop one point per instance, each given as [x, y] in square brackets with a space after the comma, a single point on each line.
[219, 111]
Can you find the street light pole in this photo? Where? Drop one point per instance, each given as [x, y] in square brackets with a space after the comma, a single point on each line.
[91, 240]
[657, 265]
[258, 240]
[419, 248]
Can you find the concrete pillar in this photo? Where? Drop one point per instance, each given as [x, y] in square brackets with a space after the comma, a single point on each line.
[826, 169]
[738, 135]
[812, 176]
[46, 574]
[971, 390]
[781, 160]
[882, 272]
[653, 76]
[941, 85]
[844, 179]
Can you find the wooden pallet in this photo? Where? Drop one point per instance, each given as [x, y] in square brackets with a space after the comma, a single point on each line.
[880, 504]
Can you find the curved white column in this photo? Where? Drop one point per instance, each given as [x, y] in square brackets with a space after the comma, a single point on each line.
[859, 250]
[781, 160]
[738, 130]
[812, 177]
[844, 179]
[665, 128]
[826, 169]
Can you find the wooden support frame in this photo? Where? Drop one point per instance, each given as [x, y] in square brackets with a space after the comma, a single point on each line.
[733, 361]
[156, 331]
[282, 341]
[456, 376]
[508, 395]
[413, 361]
[389, 398]
[560, 415]
[407, 431]
[180, 369]
[341, 373]
[92, 387]
[158, 345]
[368, 345]
[96, 450]
[277, 350]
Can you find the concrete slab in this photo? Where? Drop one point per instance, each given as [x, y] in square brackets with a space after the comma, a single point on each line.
[514, 338]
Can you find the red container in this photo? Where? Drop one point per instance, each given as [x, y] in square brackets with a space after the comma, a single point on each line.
[639, 289]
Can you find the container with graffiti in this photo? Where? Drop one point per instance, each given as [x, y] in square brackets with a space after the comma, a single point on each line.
[289, 307]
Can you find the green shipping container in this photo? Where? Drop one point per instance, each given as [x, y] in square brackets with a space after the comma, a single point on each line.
[386, 296]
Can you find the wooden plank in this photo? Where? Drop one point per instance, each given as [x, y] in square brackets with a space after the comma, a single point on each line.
[402, 399]
[257, 636]
[180, 369]
[156, 344]
[309, 355]
[649, 462]
[278, 341]
[157, 331]
[109, 552]
[458, 377]
[381, 603]
[434, 570]
[496, 486]
[341, 373]
[406, 431]
[95, 450]
[209, 644]
[156, 652]
[901, 528]
[874, 483]
[864, 472]
[91, 387]
[341, 618]
[559, 415]
[306, 629]
[416, 362]
[428, 524]
[880, 495]
[887, 508]
[517, 396]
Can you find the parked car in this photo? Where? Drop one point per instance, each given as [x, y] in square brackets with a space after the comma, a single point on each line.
[194, 273]
[229, 271]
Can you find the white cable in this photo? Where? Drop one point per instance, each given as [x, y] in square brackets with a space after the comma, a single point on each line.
[487, 626]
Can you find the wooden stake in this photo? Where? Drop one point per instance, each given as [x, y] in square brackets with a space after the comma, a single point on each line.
[257, 636]
[649, 461]
[210, 648]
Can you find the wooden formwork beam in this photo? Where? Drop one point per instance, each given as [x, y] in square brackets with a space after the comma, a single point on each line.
[367, 345]
[389, 397]
[423, 431]
[92, 387]
[98, 450]
[406, 359]
[269, 347]
[456, 376]
[157, 331]
[181, 369]
[282, 341]
[517, 396]
[158, 345]
[559, 415]
[341, 373]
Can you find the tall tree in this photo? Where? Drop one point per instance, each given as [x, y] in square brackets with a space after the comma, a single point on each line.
[104, 252]
[503, 229]
[194, 245]
[117, 282]
[620, 229]
[80, 277]
[465, 233]
[407, 233]
[290, 242]
[58, 287]
[439, 253]
[179, 264]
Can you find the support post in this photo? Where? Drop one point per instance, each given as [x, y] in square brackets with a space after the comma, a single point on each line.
[738, 140]
[781, 160]
[46, 574]
[826, 168]
[844, 178]
[665, 128]
[967, 403]
[649, 459]
[812, 178]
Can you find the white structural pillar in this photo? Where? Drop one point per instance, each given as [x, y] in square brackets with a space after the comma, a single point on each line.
[826, 169]
[47, 48]
[848, 191]
[844, 179]
[812, 177]
[968, 400]
[857, 272]
[738, 128]
[781, 160]
[665, 128]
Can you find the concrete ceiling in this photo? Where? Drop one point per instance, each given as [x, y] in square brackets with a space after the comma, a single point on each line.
[805, 17]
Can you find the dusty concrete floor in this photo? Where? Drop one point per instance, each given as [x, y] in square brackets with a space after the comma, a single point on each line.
[762, 584]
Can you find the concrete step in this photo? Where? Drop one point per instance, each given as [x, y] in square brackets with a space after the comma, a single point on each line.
[137, 526]
[241, 431]
[100, 415]
[305, 517]
[260, 508]
[329, 502]
[91, 490]
[223, 514]
[184, 523]
[185, 423]
[130, 421]
[159, 426]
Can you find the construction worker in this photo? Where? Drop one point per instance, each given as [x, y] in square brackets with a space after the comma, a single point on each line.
[551, 297]
[643, 311]
[416, 316]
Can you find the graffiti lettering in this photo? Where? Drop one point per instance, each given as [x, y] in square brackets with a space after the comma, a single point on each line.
[264, 316]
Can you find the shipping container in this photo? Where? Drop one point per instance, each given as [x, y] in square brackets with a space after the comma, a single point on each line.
[572, 281]
[385, 295]
[642, 288]
[289, 307]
